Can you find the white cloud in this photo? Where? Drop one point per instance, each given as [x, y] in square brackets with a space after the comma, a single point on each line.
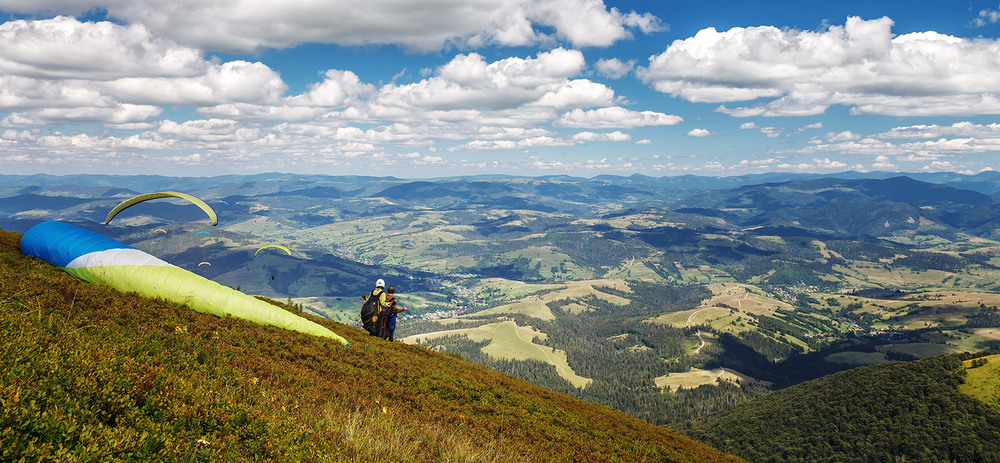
[469, 82]
[860, 65]
[986, 16]
[337, 89]
[842, 136]
[586, 137]
[698, 133]
[961, 129]
[816, 125]
[826, 163]
[615, 68]
[614, 117]
[244, 26]
[884, 163]
[65, 47]
[772, 132]
[816, 164]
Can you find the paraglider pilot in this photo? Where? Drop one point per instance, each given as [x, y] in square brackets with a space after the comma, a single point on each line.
[389, 313]
[371, 311]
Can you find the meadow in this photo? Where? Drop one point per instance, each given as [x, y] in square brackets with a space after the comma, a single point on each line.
[91, 374]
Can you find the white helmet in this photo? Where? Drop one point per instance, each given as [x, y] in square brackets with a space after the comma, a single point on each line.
[380, 283]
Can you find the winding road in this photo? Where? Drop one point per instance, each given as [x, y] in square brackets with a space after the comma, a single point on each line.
[701, 341]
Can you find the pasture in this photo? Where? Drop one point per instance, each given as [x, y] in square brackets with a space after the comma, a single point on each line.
[697, 377]
[507, 340]
[535, 305]
[980, 381]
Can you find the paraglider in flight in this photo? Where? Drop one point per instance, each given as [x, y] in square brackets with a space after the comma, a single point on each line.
[163, 194]
[205, 232]
[160, 230]
[97, 259]
[204, 263]
[274, 246]
[220, 201]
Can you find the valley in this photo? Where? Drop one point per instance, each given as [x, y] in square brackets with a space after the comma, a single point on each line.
[640, 293]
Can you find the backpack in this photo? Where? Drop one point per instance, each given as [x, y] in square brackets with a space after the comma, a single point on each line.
[370, 319]
[390, 314]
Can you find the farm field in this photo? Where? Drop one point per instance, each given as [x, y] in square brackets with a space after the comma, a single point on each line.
[535, 305]
[507, 340]
[698, 377]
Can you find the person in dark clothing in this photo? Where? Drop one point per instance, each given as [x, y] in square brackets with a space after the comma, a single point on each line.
[374, 321]
[389, 313]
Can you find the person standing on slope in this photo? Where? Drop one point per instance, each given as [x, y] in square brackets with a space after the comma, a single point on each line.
[374, 306]
[389, 313]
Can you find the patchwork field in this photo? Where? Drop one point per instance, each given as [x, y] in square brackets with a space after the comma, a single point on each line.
[535, 305]
[916, 310]
[507, 340]
[698, 377]
[723, 310]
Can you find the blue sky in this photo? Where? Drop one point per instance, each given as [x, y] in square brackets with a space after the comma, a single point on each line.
[464, 87]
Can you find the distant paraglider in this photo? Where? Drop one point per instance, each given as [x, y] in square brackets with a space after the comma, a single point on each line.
[205, 232]
[204, 263]
[220, 201]
[160, 230]
[274, 246]
[163, 194]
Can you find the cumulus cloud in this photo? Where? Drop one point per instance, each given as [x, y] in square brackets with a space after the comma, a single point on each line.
[507, 103]
[615, 68]
[699, 133]
[614, 117]
[65, 47]
[986, 16]
[586, 137]
[884, 163]
[542, 141]
[469, 82]
[861, 65]
[960, 129]
[230, 26]
[816, 125]
[842, 136]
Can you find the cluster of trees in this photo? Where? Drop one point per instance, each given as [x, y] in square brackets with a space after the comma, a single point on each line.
[987, 316]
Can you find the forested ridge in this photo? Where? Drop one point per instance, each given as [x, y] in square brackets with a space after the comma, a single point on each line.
[903, 411]
[619, 351]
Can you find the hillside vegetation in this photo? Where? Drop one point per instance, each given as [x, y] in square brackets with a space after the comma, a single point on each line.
[90, 374]
[904, 411]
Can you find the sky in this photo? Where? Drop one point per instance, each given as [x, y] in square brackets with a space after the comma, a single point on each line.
[424, 89]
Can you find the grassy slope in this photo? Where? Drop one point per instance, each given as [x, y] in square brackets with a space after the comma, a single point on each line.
[90, 374]
[910, 411]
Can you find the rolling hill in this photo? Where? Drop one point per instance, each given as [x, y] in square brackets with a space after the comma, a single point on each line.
[906, 411]
[90, 374]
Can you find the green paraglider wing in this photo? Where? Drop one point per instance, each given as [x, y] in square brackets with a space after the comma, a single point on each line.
[163, 194]
[274, 246]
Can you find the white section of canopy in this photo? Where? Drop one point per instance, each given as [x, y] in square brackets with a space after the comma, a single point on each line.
[120, 256]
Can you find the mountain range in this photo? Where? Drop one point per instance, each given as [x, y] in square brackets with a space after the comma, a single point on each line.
[677, 300]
